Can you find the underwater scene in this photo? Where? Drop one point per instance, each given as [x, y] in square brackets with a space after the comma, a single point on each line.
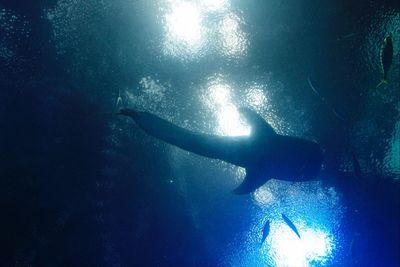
[185, 133]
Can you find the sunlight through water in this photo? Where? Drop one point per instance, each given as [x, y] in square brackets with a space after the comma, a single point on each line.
[229, 122]
[286, 249]
[185, 32]
[204, 27]
[315, 211]
[232, 40]
[255, 96]
[218, 98]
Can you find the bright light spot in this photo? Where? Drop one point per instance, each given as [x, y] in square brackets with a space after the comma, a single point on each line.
[239, 175]
[232, 40]
[255, 97]
[219, 100]
[195, 28]
[185, 23]
[263, 195]
[220, 94]
[184, 29]
[316, 213]
[229, 122]
[286, 249]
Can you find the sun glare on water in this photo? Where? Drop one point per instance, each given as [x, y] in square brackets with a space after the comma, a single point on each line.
[203, 27]
[286, 249]
[218, 97]
[184, 23]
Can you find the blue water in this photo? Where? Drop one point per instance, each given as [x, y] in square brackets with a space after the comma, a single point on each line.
[80, 186]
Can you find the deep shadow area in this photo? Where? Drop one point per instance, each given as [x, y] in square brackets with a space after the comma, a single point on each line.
[67, 198]
[53, 153]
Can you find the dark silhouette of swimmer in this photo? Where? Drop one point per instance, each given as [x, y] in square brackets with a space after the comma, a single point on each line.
[264, 153]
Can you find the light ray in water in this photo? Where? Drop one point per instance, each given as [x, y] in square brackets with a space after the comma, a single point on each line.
[286, 249]
[315, 211]
[233, 41]
[188, 31]
[184, 29]
[219, 100]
